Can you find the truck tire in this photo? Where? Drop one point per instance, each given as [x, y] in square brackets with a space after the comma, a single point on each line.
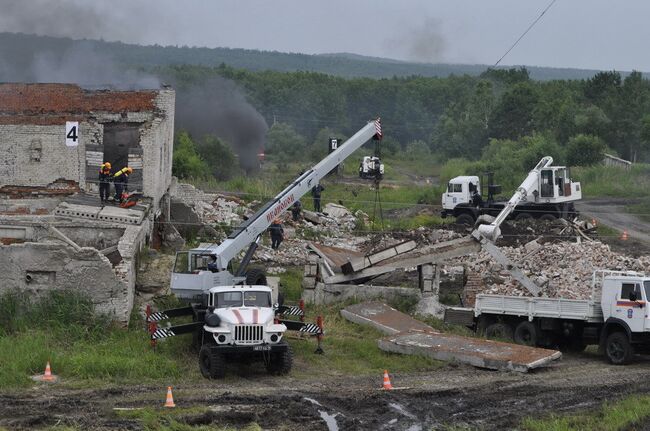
[523, 216]
[280, 363]
[256, 276]
[501, 331]
[465, 220]
[548, 217]
[526, 334]
[212, 364]
[618, 348]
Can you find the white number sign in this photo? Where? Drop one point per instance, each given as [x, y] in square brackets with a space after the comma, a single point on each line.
[71, 133]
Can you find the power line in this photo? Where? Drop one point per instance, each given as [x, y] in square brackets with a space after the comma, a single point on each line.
[524, 33]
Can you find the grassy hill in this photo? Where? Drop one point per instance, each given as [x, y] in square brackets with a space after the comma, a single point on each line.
[17, 52]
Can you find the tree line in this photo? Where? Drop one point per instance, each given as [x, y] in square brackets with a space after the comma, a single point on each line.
[469, 117]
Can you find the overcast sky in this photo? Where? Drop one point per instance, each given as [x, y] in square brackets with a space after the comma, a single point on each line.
[598, 34]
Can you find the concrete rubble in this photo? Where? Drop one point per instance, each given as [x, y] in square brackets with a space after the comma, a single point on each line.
[560, 269]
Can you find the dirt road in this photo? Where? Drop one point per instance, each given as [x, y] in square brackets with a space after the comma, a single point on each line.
[458, 395]
[611, 212]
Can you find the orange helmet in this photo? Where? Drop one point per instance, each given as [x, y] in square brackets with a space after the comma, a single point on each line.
[129, 170]
[107, 165]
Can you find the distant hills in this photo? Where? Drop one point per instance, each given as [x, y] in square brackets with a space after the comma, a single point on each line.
[17, 53]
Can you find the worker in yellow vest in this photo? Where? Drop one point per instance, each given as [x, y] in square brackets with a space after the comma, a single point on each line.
[121, 181]
[104, 181]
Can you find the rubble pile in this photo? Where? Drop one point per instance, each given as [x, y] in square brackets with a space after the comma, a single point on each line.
[561, 269]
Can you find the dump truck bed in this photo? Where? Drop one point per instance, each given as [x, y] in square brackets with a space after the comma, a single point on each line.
[557, 308]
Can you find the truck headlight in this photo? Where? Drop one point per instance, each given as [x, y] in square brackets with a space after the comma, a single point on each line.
[274, 338]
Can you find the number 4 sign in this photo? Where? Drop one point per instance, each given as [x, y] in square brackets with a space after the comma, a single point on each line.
[71, 133]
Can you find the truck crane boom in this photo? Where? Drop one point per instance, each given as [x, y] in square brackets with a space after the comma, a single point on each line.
[492, 231]
[189, 280]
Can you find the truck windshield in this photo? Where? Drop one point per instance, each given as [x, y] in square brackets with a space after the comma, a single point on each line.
[646, 287]
[227, 299]
[257, 299]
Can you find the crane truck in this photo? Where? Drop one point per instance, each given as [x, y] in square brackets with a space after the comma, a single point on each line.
[232, 310]
[615, 317]
[549, 194]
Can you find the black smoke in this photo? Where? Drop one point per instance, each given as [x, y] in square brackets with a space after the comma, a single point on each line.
[216, 106]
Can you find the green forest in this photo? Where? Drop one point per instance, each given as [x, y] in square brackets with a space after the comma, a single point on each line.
[502, 117]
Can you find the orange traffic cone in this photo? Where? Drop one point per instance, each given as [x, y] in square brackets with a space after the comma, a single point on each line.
[48, 377]
[170, 399]
[387, 384]
[624, 236]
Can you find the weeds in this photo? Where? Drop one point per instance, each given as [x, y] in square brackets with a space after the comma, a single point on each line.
[626, 414]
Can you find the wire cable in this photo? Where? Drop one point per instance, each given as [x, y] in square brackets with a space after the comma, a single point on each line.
[524, 33]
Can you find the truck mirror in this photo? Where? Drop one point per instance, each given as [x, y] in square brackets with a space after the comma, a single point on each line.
[632, 296]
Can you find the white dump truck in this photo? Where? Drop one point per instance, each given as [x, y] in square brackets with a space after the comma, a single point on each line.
[615, 318]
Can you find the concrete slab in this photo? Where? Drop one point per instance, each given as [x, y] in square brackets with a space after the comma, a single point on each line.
[383, 317]
[478, 352]
[78, 211]
[412, 337]
[120, 215]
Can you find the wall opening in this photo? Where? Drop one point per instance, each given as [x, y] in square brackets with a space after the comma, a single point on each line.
[122, 148]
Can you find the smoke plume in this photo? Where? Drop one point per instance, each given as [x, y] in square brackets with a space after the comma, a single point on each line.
[217, 106]
[424, 43]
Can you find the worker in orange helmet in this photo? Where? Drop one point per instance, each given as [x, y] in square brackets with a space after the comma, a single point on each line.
[104, 181]
[121, 181]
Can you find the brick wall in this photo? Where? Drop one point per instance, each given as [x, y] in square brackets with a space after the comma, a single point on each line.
[35, 155]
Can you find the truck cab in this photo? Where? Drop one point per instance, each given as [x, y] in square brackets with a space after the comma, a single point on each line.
[459, 191]
[625, 300]
[245, 317]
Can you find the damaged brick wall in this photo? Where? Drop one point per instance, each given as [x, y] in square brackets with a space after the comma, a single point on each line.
[40, 267]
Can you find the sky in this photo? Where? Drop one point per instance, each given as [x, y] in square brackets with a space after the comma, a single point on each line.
[591, 34]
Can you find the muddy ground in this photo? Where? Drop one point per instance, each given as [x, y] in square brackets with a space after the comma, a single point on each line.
[452, 395]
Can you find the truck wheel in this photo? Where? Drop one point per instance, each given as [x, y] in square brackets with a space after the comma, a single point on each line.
[499, 331]
[526, 334]
[523, 216]
[465, 219]
[548, 217]
[256, 276]
[280, 363]
[618, 348]
[212, 365]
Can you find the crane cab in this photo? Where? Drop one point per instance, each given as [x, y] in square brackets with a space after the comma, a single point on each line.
[555, 186]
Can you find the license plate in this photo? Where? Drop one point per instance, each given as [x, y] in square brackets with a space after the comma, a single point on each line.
[261, 348]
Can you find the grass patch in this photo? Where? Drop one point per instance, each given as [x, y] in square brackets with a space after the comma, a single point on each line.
[81, 345]
[613, 181]
[352, 349]
[291, 284]
[175, 420]
[624, 414]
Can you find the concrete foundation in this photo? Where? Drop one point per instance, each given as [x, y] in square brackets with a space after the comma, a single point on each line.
[323, 293]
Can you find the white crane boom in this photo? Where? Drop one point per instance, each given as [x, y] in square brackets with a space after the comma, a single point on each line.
[247, 233]
[492, 231]
[189, 280]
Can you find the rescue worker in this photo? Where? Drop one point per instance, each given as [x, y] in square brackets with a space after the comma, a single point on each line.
[296, 209]
[212, 265]
[277, 234]
[121, 181]
[104, 181]
[315, 192]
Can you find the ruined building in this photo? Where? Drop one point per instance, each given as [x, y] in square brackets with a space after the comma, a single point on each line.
[54, 233]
